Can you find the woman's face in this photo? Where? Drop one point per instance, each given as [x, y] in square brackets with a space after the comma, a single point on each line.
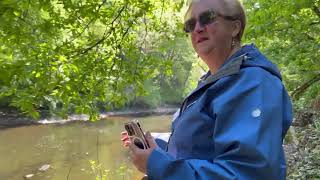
[214, 37]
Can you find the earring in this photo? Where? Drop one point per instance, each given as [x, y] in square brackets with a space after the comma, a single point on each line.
[233, 43]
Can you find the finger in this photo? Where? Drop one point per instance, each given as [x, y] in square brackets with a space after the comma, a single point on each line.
[151, 140]
[124, 134]
[126, 143]
[125, 138]
[133, 147]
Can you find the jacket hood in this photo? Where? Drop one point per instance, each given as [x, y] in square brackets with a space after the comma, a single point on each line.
[254, 58]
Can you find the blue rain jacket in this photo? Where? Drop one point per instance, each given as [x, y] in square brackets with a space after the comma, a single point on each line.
[231, 126]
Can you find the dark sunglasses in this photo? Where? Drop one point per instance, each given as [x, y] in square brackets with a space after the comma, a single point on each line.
[205, 18]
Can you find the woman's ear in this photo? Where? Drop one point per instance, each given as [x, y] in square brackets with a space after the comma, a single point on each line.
[236, 26]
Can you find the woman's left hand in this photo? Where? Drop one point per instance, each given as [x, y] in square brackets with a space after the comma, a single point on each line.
[139, 156]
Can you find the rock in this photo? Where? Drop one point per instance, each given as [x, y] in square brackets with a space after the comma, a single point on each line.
[44, 167]
[28, 176]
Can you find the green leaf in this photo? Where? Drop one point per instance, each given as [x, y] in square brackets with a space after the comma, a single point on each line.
[16, 13]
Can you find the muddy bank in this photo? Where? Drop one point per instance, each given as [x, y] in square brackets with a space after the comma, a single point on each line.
[12, 118]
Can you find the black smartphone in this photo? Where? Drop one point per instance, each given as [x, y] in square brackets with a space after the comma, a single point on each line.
[136, 134]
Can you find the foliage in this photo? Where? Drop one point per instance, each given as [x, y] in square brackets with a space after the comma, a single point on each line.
[170, 83]
[122, 172]
[71, 54]
[74, 54]
[288, 32]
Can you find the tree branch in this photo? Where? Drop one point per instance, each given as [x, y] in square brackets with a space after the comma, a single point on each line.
[127, 30]
[105, 33]
[91, 21]
[94, 45]
[314, 23]
[301, 89]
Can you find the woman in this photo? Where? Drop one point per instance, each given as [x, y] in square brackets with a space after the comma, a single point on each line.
[233, 124]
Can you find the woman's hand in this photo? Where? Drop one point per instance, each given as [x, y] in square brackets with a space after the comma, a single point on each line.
[124, 138]
[139, 156]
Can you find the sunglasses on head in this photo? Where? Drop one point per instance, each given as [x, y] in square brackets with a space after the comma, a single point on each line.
[205, 18]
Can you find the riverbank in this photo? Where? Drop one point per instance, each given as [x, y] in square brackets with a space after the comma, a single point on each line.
[12, 118]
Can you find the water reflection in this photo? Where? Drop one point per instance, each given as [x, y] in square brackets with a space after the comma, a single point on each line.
[68, 148]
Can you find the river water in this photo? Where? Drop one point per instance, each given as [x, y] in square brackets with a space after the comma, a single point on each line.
[69, 148]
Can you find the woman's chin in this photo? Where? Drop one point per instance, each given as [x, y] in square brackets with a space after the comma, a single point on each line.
[204, 51]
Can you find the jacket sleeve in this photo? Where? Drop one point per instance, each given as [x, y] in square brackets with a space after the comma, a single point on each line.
[247, 134]
[161, 139]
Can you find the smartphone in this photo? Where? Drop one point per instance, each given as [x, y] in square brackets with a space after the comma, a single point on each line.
[136, 134]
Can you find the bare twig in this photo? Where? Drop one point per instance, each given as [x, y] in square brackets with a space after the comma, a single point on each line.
[69, 173]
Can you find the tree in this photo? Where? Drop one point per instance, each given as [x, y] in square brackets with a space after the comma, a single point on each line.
[288, 32]
[72, 54]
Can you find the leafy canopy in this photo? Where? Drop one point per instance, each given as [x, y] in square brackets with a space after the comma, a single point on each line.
[72, 54]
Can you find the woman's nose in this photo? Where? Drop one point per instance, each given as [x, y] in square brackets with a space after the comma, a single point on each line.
[198, 28]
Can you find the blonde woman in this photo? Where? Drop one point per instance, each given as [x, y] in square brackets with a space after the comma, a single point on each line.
[233, 124]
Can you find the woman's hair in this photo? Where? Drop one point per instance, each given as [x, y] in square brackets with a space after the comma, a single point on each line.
[231, 8]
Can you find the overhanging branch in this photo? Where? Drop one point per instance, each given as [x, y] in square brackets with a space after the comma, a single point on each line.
[90, 22]
[301, 89]
[105, 35]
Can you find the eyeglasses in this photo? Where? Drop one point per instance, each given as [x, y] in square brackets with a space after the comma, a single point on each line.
[205, 19]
